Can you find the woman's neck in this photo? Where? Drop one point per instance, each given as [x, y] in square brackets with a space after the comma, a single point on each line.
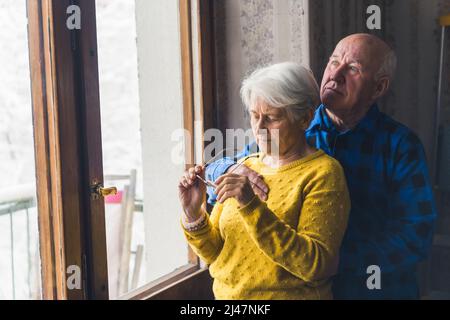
[296, 152]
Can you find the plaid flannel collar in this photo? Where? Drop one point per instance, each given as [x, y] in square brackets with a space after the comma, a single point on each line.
[322, 121]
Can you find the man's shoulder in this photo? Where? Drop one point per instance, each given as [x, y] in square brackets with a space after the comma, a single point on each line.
[397, 132]
[325, 166]
[328, 161]
[324, 172]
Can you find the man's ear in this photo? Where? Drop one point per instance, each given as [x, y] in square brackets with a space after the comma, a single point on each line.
[381, 88]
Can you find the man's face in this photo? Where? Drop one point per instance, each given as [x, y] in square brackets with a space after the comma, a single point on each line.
[349, 78]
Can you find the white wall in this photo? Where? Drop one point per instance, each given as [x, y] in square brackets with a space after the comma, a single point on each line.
[159, 58]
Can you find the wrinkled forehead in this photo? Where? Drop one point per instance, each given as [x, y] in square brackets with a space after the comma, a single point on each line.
[361, 50]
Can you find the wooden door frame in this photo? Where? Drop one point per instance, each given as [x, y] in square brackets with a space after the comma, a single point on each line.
[66, 121]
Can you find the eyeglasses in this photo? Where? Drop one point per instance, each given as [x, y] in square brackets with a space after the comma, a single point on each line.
[212, 184]
[207, 182]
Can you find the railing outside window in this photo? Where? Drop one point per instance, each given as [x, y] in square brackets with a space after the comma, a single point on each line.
[19, 247]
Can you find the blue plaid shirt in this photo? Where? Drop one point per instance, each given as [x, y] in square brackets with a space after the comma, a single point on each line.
[393, 210]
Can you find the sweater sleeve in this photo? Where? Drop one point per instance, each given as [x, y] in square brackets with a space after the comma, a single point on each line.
[310, 251]
[207, 242]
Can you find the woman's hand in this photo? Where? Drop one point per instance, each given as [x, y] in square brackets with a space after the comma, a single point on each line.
[259, 187]
[235, 186]
[192, 192]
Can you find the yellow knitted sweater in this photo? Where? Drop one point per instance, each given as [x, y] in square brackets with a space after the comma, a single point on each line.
[286, 247]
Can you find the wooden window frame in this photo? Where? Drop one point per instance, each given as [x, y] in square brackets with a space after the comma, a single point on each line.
[191, 281]
[66, 115]
[64, 81]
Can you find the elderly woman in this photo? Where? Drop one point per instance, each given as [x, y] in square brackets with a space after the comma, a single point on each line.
[286, 247]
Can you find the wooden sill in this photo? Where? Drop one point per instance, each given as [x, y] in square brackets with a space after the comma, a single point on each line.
[187, 283]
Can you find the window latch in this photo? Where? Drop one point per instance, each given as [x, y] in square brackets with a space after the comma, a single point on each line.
[98, 190]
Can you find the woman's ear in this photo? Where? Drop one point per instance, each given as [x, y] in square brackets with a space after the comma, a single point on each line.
[305, 121]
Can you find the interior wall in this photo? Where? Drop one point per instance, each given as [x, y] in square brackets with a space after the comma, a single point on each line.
[411, 28]
[158, 41]
[251, 34]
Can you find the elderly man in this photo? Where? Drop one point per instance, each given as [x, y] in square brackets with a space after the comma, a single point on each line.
[392, 207]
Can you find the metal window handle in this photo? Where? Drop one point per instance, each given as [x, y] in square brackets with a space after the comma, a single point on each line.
[97, 191]
[111, 191]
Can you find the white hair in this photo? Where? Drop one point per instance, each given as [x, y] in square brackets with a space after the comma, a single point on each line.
[388, 66]
[284, 85]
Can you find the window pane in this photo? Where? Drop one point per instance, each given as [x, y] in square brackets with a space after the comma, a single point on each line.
[19, 241]
[144, 239]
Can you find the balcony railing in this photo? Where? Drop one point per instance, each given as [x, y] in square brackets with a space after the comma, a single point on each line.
[20, 264]
[19, 203]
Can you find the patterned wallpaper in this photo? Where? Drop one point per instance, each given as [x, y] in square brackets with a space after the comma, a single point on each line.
[257, 32]
[251, 34]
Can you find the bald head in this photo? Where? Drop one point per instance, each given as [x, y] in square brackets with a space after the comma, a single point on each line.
[368, 40]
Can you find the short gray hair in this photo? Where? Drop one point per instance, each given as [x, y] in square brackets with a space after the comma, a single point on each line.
[388, 65]
[284, 85]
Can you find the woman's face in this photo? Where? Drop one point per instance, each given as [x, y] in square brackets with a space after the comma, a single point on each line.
[274, 132]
